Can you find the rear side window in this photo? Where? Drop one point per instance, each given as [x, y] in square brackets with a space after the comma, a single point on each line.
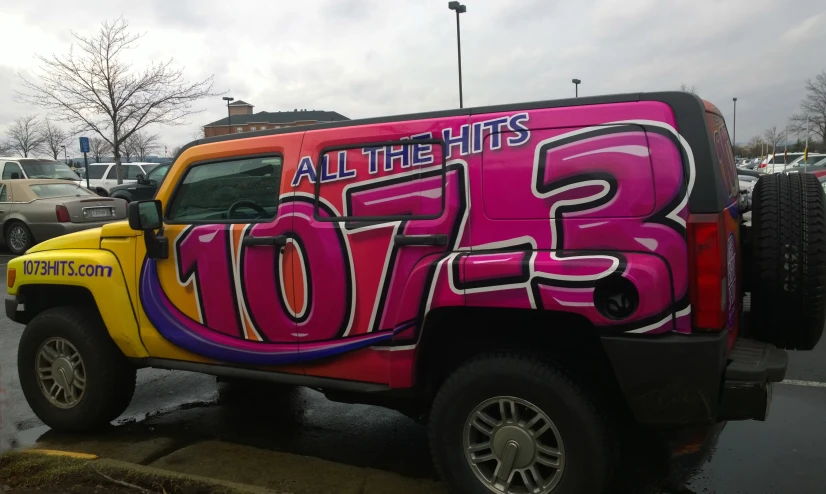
[4, 197]
[571, 168]
[725, 157]
[96, 171]
[241, 190]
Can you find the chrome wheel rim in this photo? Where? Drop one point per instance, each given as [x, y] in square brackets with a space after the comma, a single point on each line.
[513, 447]
[17, 237]
[61, 373]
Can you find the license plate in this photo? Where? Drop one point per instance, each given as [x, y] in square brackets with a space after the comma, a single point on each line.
[98, 212]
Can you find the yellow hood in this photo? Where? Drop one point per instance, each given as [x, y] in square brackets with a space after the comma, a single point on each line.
[86, 239]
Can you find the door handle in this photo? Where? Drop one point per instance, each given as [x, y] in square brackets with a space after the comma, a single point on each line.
[401, 240]
[253, 241]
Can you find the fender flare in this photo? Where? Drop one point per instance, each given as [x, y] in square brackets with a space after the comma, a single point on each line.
[99, 272]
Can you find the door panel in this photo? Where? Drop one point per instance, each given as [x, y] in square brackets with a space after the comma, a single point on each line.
[390, 207]
[211, 300]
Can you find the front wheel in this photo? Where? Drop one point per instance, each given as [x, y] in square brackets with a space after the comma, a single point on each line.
[72, 374]
[508, 423]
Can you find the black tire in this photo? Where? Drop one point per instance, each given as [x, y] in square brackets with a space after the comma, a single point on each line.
[110, 378]
[788, 261]
[125, 197]
[589, 441]
[21, 227]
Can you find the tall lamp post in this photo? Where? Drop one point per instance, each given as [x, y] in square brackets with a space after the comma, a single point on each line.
[229, 116]
[734, 136]
[576, 82]
[65, 157]
[460, 9]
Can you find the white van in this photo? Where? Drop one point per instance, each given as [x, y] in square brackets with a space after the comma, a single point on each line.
[105, 175]
[14, 168]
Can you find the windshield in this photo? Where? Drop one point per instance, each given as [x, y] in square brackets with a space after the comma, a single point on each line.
[148, 167]
[59, 190]
[48, 169]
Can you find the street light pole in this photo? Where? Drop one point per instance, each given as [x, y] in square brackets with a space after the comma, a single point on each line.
[576, 87]
[460, 9]
[65, 156]
[229, 116]
[734, 137]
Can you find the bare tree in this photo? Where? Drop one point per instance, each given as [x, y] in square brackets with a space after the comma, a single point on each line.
[772, 138]
[175, 151]
[813, 106]
[96, 88]
[54, 138]
[99, 148]
[24, 136]
[755, 146]
[687, 89]
[144, 144]
[128, 149]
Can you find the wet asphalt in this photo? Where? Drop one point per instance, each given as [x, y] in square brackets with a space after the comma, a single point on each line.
[787, 453]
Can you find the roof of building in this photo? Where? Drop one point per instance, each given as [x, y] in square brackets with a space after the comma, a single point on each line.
[281, 117]
[239, 103]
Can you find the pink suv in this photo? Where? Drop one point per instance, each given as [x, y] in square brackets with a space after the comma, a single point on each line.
[519, 277]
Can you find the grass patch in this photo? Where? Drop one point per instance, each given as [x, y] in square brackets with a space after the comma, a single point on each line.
[28, 472]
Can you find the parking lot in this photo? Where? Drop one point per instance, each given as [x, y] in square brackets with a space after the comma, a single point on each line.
[181, 409]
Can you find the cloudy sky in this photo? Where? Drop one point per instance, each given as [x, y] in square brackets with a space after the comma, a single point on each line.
[367, 58]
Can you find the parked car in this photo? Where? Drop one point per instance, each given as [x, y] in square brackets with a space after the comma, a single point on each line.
[809, 164]
[33, 211]
[514, 276]
[104, 176]
[22, 168]
[776, 163]
[144, 186]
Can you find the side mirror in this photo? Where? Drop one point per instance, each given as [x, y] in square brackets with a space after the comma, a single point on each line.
[145, 215]
[141, 178]
[15, 176]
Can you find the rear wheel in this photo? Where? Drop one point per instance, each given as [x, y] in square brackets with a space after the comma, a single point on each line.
[73, 375]
[788, 268]
[19, 238]
[509, 423]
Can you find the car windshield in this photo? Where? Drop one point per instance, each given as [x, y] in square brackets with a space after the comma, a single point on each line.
[158, 173]
[148, 167]
[59, 190]
[48, 169]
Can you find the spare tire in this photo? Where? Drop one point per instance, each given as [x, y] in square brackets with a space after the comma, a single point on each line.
[788, 260]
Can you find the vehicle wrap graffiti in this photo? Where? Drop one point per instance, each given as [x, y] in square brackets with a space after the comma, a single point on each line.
[516, 211]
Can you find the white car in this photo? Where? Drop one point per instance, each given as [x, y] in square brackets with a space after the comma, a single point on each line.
[17, 168]
[105, 175]
[777, 163]
[798, 165]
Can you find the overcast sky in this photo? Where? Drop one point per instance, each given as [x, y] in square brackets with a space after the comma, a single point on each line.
[367, 58]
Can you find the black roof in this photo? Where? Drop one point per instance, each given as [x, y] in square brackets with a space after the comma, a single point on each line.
[281, 117]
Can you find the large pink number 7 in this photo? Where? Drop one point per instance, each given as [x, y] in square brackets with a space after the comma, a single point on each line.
[417, 194]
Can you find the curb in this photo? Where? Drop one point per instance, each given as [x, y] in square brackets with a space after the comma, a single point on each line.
[111, 465]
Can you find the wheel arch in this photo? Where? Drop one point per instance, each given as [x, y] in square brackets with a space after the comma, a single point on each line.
[106, 292]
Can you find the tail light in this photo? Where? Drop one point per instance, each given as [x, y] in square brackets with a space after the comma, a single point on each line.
[62, 214]
[707, 271]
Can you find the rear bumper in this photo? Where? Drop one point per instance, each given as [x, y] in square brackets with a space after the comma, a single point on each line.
[678, 380]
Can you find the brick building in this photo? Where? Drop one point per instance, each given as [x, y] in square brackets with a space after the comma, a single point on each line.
[242, 119]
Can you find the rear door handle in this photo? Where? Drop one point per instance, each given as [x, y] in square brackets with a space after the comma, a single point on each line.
[401, 240]
[253, 241]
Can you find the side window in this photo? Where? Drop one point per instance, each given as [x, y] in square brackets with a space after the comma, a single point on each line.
[410, 180]
[96, 171]
[113, 173]
[238, 191]
[10, 168]
[132, 172]
[3, 194]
